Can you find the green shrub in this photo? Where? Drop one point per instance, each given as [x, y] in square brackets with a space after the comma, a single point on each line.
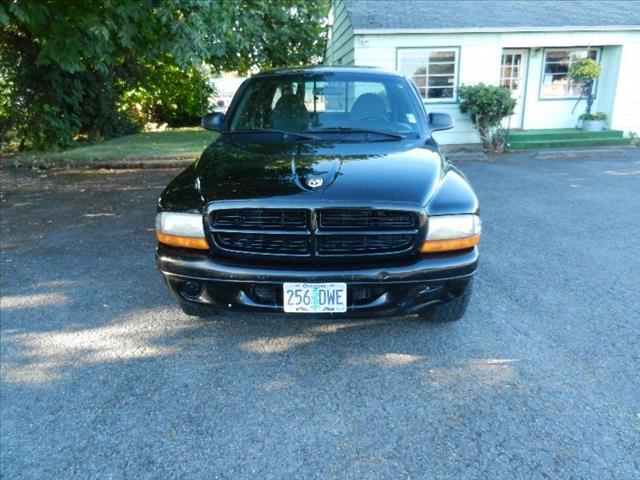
[6, 118]
[45, 107]
[50, 108]
[164, 93]
[101, 116]
[593, 116]
[487, 106]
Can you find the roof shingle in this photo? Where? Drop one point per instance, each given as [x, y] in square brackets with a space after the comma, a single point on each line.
[483, 14]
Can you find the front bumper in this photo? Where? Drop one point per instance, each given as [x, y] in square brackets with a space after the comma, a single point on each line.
[406, 287]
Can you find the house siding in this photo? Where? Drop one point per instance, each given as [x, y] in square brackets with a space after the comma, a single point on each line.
[479, 60]
[626, 104]
[340, 47]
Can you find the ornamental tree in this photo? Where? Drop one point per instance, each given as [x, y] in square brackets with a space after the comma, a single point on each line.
[487, 105]
[587, 72]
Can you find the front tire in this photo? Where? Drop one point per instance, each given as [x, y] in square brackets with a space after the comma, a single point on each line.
[450, 311]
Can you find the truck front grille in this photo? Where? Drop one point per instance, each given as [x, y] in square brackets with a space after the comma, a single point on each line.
[363, 244]
[349, 219]
[297, 232]
[259, 243]
[260, 218]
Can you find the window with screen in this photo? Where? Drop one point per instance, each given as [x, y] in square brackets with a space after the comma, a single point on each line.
[434, 71]
[555, 77]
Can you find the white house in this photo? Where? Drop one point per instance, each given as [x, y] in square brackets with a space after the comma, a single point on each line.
[526, 46]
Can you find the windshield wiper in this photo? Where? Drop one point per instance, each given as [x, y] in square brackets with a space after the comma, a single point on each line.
[251, 131]
[357, 130]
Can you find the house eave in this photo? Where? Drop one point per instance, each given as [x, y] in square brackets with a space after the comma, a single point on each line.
[405, 31]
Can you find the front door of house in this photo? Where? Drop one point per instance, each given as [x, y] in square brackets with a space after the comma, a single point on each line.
[513, 75]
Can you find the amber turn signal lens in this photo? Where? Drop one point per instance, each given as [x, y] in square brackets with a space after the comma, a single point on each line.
[182, 242]
[431, 246]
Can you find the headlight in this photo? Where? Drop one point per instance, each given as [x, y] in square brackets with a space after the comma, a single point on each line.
[452, 232]
[184, 230]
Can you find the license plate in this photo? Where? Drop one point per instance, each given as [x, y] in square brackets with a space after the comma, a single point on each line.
[315, 297]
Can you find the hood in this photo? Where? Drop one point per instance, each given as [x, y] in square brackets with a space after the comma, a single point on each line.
[308, 172]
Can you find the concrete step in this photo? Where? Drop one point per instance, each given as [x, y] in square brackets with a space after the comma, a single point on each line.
[567, 142]
[561, 134]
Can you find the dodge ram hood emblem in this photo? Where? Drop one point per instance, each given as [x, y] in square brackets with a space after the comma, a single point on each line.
[314, 173]
[314, 182]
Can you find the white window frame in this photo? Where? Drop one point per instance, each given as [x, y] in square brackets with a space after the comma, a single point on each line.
[541, 95]
[426, 51]
[509, 80]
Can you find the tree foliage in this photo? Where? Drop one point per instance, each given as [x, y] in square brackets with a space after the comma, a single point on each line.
[77, 67]
[487, 106]
[585, 70]
[164, 93]
[268, 34]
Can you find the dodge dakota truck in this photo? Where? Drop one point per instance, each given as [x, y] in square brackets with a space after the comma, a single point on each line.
[323, 193]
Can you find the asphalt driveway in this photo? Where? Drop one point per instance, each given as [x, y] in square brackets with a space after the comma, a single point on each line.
[103, 377]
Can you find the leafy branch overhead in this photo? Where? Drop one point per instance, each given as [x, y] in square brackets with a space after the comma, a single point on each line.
[230, 35]
[75, 48]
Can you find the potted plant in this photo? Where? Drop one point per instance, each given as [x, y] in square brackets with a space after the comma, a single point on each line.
[587, 72]
[593, 122]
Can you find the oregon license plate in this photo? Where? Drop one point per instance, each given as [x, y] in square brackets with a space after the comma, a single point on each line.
[315, 297]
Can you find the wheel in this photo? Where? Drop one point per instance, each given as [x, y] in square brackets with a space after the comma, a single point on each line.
[452, 310]
[201, 311]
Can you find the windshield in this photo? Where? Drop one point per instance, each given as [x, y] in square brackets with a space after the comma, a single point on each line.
[329, 103]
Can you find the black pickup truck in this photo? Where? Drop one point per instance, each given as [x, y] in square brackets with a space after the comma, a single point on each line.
[325, 193]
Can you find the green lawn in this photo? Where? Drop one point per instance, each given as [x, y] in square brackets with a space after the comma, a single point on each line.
[184, 143]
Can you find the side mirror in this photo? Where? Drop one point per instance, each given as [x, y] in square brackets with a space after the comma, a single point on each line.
[213, 121]
[440, 121]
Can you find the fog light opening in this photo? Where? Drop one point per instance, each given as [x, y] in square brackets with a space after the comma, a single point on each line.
[360, 294]
[264, 295]
[365, 295]
[191, 290]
